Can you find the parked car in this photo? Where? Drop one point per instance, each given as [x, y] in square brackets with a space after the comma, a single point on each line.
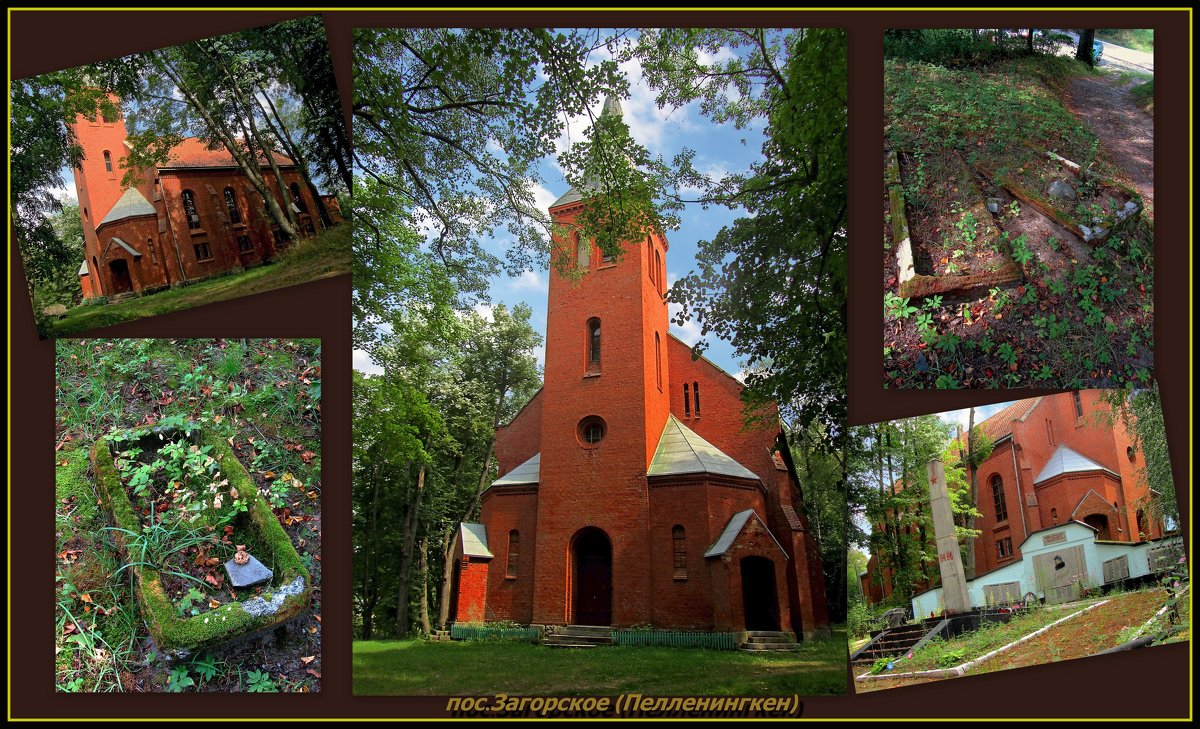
[1097, 51]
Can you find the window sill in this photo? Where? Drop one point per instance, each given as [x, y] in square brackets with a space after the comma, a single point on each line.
[591, 374]
[510, 577]
[196, 231]
[1000, 526]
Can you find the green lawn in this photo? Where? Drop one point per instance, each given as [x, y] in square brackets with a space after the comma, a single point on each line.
[327, 254]
[408, 667]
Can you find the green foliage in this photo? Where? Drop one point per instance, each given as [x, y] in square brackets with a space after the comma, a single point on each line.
[260, 682]
[791, 329]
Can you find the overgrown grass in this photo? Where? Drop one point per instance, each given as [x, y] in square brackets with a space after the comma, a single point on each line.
[414, 667]
[941, 653]
[1139, 39]
[1143, 96]
[324, 255]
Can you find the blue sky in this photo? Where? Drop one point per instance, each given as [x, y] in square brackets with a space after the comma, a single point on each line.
[719, 149]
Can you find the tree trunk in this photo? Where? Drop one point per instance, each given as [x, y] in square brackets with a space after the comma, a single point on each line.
[1084, 51]
[292, 150]
[447, 576]
[407, 547]
[425, 627]
[1029, 44]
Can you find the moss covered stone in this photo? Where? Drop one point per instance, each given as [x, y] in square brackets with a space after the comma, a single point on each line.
[174, 633]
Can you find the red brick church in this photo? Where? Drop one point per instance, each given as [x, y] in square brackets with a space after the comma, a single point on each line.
[628, 491]
[192, 217]
[1056, 460]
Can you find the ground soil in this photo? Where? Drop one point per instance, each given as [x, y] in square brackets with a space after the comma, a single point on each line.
[1113, 351]
[1125, 131]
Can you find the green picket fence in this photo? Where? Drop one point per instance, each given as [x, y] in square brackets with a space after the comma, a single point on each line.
[677, 639]
[473, 632]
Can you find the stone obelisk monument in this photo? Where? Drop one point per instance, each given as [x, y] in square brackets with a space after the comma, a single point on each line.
[954, 581]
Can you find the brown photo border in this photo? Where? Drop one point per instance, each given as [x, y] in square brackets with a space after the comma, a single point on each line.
[1158, 679]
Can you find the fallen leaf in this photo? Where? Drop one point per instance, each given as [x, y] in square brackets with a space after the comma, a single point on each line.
[307, 659]
[313, 672]
[312, 629]
[214, 604]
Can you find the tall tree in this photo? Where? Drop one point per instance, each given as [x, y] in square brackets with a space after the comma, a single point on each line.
[1084, 51]
[773, 283]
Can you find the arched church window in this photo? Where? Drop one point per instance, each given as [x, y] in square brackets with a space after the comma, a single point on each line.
[998, 498]
[189, 209]
[687, 401]
[514, 552]
[657, 361]
[679, 549]
[696, 398]
[235, 215]
[658, 270]
[583, 253]
[593, 345]
[297, 198]
[108, 161]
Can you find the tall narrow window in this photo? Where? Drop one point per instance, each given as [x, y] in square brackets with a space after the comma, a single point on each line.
[231, 204]
[658, 270]
[998, 499]
[107, 161]
[189, 209]
[696, 398]
[657, 361]
[1053, 515]
[297, 198]
[593, 345]
[679, 550]
[687, 401]
[514, 552]
[650, 259]
[1004, 548]
[1078, 405]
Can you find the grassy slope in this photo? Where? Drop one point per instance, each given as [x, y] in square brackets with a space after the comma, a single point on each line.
[413, 667]
[327, 254]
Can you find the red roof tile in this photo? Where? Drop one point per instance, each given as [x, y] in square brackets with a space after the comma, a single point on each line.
[192, 152]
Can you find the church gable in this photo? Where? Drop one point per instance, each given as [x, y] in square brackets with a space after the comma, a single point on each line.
[744, 528]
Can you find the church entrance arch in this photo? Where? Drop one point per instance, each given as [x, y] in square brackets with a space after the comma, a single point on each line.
[760, 597]
[591, 577]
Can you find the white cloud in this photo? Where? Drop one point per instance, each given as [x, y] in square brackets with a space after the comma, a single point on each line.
[485, 311]
[529, 281]
[364, 364]
[689, 332]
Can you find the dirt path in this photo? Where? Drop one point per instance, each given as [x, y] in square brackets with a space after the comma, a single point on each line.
[1125, 131]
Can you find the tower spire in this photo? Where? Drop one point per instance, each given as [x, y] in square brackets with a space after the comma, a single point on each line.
[612, 105]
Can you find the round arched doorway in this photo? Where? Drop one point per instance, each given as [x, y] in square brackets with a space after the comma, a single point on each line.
[591, 577]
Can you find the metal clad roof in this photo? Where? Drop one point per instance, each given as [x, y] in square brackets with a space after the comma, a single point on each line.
[130, 205]
[128, 248]
[734, 528]
[1066, 460]
[474, 540]
[527, 472]
[680, 450]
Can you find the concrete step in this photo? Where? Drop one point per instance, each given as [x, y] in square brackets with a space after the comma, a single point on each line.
[768, 647]
[768, 639]
[604, 630]
[570, 645]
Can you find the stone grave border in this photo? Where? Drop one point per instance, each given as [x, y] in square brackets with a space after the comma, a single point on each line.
[911, 284]
[1100, 228]
[177, 636]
